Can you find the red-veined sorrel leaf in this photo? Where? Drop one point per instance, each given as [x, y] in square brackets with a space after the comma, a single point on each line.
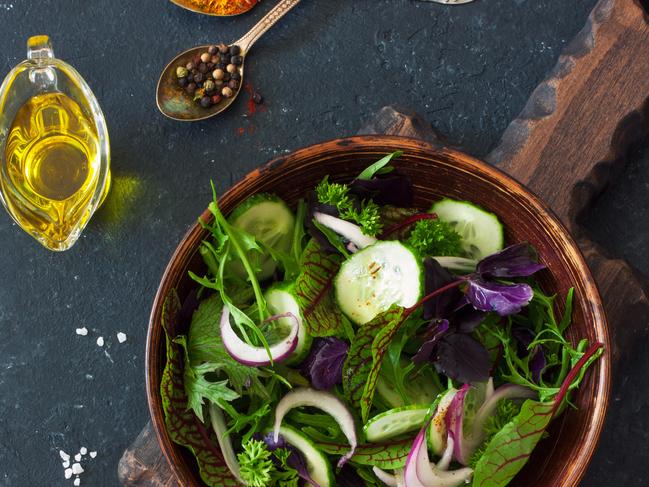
[315, 291]
[510, 448]
[390, 455]
[365, 357]
[183, 426]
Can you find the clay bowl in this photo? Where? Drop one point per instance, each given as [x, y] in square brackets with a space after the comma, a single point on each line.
[559, 460]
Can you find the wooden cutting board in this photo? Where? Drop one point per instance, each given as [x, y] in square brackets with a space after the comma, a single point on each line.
[569, 141]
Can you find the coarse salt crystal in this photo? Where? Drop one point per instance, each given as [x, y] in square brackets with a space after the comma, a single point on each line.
[77, 468]
[121, 337]
[93, 454]
[82, 331]
[66, 463]
[100, 341]
[77, 457]
[77, 481]
[83, 450]
[64, 456]
[68, 473]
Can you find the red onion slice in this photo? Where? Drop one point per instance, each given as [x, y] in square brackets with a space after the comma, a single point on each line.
[346, 229]
[247, 354]
[325, 401]
[419, 472]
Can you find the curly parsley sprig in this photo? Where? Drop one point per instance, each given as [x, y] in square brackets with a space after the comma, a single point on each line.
[366, 214]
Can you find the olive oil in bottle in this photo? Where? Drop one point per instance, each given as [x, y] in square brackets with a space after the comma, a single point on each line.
[52, 166]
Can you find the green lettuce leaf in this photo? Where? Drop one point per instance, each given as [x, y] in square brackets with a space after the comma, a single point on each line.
[314, 290]
[365, 357]
[389, 455]
[183, 426]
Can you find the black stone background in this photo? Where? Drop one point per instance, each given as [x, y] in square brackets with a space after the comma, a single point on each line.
[324, 70]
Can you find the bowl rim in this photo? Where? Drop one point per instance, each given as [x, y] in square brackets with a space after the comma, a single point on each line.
[576, 470]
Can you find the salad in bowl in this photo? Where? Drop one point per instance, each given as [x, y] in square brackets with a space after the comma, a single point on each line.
[358, 340]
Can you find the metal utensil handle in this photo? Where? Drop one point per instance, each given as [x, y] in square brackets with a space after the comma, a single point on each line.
[270, 19]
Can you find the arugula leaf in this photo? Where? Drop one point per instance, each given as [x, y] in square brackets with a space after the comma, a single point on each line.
[299, 234]
[365, 357]
[182, 425]
[389, 455]
[314, 291]
[379, 167]
[333, 238]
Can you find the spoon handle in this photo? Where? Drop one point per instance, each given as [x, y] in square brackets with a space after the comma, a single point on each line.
[270, 19]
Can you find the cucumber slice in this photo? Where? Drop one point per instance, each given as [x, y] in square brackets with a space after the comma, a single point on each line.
[317, 464]
[419, 390]
[281, 299]
[372, 280]
[481, 231]
[270, 221]
[395, 422]
[437, 428]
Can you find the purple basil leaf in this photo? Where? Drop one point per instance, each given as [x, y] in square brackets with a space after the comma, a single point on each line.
[504, 299]
[435, 277]
[537, 361]
[462, 358]
[518, 260]
[388, 190]
[467, 318]
[347, 477]
[427, 350]
[324, 364]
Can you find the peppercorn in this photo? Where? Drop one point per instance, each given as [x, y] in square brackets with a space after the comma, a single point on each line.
[182, 82]
[221, 65]
[219, 82]
[257, 98]
[215, 59]
[234, 84]
[206, 102]
[216, 99]
[227, 92]
[190, 65]
[198, 77]
[196, 60]
[210, 66]
[212, 50]
[181, 72]
[231, 68]
[209, 86]
[236, 76]
[234, 50]
[205, 57]
[236, 60]
[194, 71]
[190, 88]
[202, 68]
[218, 74]
[226, 76]
[223, 48]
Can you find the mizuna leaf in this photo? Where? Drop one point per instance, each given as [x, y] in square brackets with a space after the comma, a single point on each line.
[365, 356]
[183, 426]
[314, 290]
[510, 448]
[389, 456]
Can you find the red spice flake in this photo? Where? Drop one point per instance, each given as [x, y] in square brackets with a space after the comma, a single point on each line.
[241, 131]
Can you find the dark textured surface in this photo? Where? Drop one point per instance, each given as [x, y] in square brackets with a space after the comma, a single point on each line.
[324, 70]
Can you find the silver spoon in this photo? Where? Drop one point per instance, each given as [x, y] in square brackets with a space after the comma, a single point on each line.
[172, 100]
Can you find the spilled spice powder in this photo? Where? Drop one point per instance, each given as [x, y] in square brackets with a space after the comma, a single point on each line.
[221, 7]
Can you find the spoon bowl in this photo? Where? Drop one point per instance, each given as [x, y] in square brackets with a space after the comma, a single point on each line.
[245, 5]
[175, 103]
